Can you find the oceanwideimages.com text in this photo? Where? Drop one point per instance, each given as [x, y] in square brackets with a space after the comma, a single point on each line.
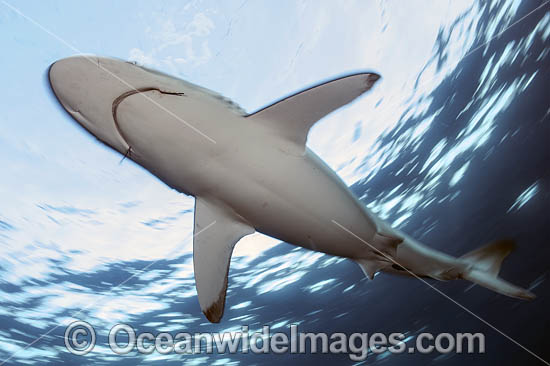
[80, 339]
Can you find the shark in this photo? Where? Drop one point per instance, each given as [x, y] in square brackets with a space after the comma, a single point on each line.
[252, 172]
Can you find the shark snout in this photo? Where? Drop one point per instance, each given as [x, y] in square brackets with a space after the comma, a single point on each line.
[68, 79]
[86, 87]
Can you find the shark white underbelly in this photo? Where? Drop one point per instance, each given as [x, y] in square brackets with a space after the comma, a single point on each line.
[251, 172]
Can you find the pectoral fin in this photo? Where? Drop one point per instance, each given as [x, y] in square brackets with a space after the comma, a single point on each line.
[292, 117]
[217, 230]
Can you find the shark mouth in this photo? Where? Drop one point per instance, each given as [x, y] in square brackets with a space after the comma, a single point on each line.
[120, 99]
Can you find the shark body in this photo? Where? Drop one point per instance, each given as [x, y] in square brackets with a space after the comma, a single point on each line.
[251, 172]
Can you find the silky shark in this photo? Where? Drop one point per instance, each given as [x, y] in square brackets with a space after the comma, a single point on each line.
[251, 172]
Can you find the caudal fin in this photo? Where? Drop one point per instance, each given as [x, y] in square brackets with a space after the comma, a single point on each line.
[486, 262]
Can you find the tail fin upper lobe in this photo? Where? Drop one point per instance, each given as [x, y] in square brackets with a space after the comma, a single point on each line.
[485, 266]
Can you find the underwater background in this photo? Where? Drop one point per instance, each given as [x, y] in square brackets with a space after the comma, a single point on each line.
[452, 146]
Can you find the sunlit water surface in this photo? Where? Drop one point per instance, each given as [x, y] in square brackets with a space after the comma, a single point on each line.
[457, 156]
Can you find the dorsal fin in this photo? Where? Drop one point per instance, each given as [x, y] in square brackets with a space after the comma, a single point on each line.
[217, 230]
[293, 116]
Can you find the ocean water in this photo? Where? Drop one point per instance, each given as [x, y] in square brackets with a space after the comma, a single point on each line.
[466, 161]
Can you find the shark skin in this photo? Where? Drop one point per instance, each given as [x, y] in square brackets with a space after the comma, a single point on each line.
[251, 172]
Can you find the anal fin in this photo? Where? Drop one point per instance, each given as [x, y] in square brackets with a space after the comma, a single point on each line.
[370, 267]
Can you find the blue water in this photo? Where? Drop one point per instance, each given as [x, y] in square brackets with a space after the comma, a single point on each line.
[467, 163]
